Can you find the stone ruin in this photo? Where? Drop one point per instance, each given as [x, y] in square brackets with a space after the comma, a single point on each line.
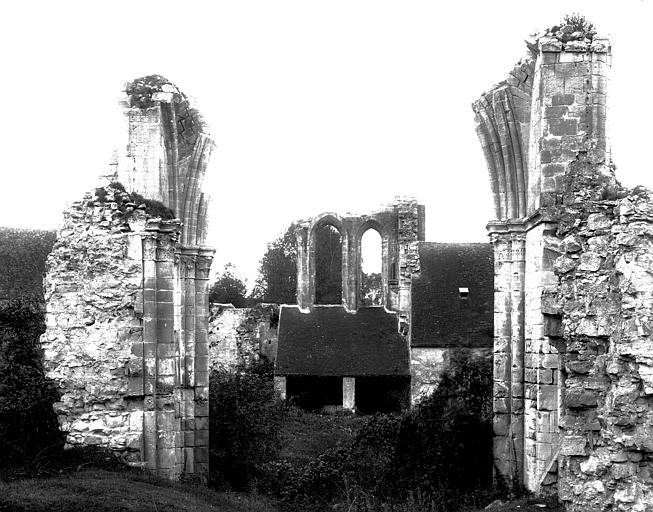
[127, 313]
[573, 252]
[127, 294]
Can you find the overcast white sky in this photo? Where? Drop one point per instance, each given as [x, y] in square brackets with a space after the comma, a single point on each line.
[314, 106]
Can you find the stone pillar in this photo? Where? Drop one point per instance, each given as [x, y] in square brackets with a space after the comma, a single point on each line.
[149, 350]
[201, 398]
[304, 282]
[280, 386]
[508, 351]
[517, 274]
[348, 393]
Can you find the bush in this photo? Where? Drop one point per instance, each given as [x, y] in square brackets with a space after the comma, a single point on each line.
[29, 430]
[444, 446]
[436, 457]
[246, 418]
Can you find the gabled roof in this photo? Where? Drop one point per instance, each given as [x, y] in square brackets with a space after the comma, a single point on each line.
[329, 341]
[442, 316]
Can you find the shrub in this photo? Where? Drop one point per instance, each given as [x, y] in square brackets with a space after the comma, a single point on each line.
[246, 417]
[436, 457]
[444, 446]
[153, 207]
[28, 425]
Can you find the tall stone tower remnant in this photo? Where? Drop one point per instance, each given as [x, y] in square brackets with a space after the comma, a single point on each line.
[127, 293]
[573, 403]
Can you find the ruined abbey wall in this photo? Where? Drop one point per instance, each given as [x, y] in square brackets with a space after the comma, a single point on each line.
[127, 294]
[572, 284]
[240, 336]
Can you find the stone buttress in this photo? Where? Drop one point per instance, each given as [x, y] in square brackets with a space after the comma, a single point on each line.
[127, 294]
[573, 400]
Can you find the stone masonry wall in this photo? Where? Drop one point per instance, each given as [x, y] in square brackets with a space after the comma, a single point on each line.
[94, 305]
[600, 313]
[240, 336]
[125, 339]
[127, 293]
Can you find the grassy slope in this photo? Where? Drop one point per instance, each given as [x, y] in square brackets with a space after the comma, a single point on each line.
[104, 491]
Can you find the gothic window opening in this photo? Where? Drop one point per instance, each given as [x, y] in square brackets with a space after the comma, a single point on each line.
[371, 287]
[328, 265]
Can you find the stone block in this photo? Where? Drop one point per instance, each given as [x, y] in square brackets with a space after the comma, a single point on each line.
[201, 455]
[189, 459]
[560, 127]
[547, 397]
[573, 445]
[166, 458]
[550, 361]
[189, 438]
[576, 398]
[544, 376]
[501, 424]
[501, 405]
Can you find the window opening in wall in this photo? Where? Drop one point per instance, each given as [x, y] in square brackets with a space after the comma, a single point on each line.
[463, 293]
[328, 265]
[371, 292]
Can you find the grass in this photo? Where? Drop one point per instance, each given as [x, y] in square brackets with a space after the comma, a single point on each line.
[106, 491]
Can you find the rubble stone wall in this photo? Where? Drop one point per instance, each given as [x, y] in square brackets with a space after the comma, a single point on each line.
[240, 336]
[94, 311]
[604, 303]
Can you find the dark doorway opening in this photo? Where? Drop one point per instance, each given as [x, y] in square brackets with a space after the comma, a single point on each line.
[382, 394]
[313, 393]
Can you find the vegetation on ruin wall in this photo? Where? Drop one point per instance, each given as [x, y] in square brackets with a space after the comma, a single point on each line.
[29, 432]
[435, 457]
[127, 202]
[189, 120]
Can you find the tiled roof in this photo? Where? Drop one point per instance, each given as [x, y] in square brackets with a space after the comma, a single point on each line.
[329, 341]
[441, 317]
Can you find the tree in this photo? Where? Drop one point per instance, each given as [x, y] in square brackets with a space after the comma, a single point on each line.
[277, 279]
[229, 289]
[28, 424]
[277, 272]
[371, 289]
[328, 266]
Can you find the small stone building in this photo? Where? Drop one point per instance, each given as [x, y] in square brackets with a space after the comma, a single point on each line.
[435, 298]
